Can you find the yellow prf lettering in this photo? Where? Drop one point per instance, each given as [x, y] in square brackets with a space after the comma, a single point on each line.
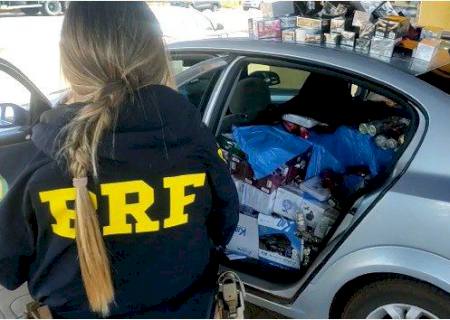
[178, 199]
[57, 200]
[119, 208]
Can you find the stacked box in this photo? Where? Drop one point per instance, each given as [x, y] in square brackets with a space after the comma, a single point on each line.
[245, 240]
[337, 25]
[362, 45]
[332, 39]
[319, 25]
[254, 198]
[288, 202]
[426, 49]
[319, 216]
[288, 22]
[288, 35]
[392, 27]
[360, 18]
[382, 46]
[348, 39]
[278, 242]
[304, 35]
[264, 28]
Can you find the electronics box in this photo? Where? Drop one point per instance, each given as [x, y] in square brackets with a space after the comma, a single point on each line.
[245, 239]
[288, 202]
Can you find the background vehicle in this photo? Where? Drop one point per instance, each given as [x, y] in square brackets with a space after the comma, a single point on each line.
[189, 25]
[199, 4]
[48, 8]
[389, 257]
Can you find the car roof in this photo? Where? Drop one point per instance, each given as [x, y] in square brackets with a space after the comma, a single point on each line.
[354, 60]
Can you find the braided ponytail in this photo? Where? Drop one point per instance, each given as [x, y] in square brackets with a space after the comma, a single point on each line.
[108, 49]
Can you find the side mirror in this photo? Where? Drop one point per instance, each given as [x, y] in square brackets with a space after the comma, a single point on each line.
[270, 78]
[219, 26]
[12, 115]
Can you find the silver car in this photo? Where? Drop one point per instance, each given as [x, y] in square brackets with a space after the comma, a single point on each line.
[389, 256]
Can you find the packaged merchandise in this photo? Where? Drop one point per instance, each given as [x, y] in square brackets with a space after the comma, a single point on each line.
[406, 47]
[431, 32]
[392, 27]
[264, 28]
[362, 45]
[319, 25]
[288, 201]
[301, 120]
[288, 35]
[367, 31]
[426, 49]
[256, 199]
[332, 39]
[277, 8]
[360, 18]
[314, 188]
[245, 240]
[382, 46]
[347, 38]
[288, 22]
[319, 216]
[337, 25]
[329, 10]
[278, 242]
[304, 36]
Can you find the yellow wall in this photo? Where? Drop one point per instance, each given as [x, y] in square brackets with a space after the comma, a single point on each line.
[435, 14]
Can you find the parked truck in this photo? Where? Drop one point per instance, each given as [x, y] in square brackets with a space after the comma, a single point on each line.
[48, 8]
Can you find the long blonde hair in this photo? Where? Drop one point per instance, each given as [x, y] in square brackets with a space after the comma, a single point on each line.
[108, 51]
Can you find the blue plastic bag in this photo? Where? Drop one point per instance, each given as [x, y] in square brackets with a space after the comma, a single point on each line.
[268, 147]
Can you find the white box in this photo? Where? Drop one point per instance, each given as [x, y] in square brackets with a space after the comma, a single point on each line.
[278, 242]
[426, 49]
[319, 216]
[288, 202]
[256, 199]
[245, 240]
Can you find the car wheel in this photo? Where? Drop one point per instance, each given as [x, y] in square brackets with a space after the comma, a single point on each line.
[31, 11]
[52, 8]
[398, 299]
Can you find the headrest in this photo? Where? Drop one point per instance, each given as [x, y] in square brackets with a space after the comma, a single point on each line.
[251, 96]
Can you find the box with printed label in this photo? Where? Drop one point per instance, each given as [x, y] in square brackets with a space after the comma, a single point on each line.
[288, 201]
[245, 240]
[392, 27]
[319, 216]
[320, 25]
[308, 35]
[382, 46]
[288, 22]
[337, 25]
[347, 38]
[426, 49]
[332, 39]
[288, 35]
[362, 45]
[255, 198]
[278, 242]
[360, 18]
[264, 28]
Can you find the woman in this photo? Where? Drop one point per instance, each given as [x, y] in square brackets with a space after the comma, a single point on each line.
[124, 197]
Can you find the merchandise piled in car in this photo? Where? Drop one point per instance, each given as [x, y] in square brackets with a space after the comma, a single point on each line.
[296, 178]
[371, 27]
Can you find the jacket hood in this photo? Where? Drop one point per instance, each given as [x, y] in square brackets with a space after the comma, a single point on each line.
[148, 123]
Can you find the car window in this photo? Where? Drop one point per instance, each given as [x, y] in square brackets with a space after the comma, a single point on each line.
[291, 80]
[182, 62]
[13, 92]
[198, 90]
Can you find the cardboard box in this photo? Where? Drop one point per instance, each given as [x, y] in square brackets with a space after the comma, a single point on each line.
[332, 39]
[288, 202]
[288, 35]
[382, 46]
[348, 39]
[337, 25]
[320, 25]
[245, 240]
[288, 22]
[362, 45]
[426, 49]
[256, 199]
[278, 242]
[360, 18]
[392, 27]
[308, 35]
[264, 28]
[319, 216]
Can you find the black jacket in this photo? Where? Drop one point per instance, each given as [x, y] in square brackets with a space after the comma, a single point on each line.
[160, 248]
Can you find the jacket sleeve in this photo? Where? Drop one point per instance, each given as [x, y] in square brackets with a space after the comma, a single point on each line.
[224, 216]
[16, 235]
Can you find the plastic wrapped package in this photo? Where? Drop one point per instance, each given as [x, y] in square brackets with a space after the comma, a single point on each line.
[268, 147]
[379, 8]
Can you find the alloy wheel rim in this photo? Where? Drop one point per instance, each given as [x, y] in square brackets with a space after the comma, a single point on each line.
[400, 311]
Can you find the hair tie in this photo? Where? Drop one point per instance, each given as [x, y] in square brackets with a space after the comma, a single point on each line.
[80, 182]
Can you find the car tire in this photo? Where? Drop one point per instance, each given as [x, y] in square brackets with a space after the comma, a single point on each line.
[376, 296]
[52, 8]
[31, 11]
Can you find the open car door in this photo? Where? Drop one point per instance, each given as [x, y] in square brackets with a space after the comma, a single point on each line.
[21, 105]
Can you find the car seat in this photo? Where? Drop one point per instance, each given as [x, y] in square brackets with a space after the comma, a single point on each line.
[251, 96]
